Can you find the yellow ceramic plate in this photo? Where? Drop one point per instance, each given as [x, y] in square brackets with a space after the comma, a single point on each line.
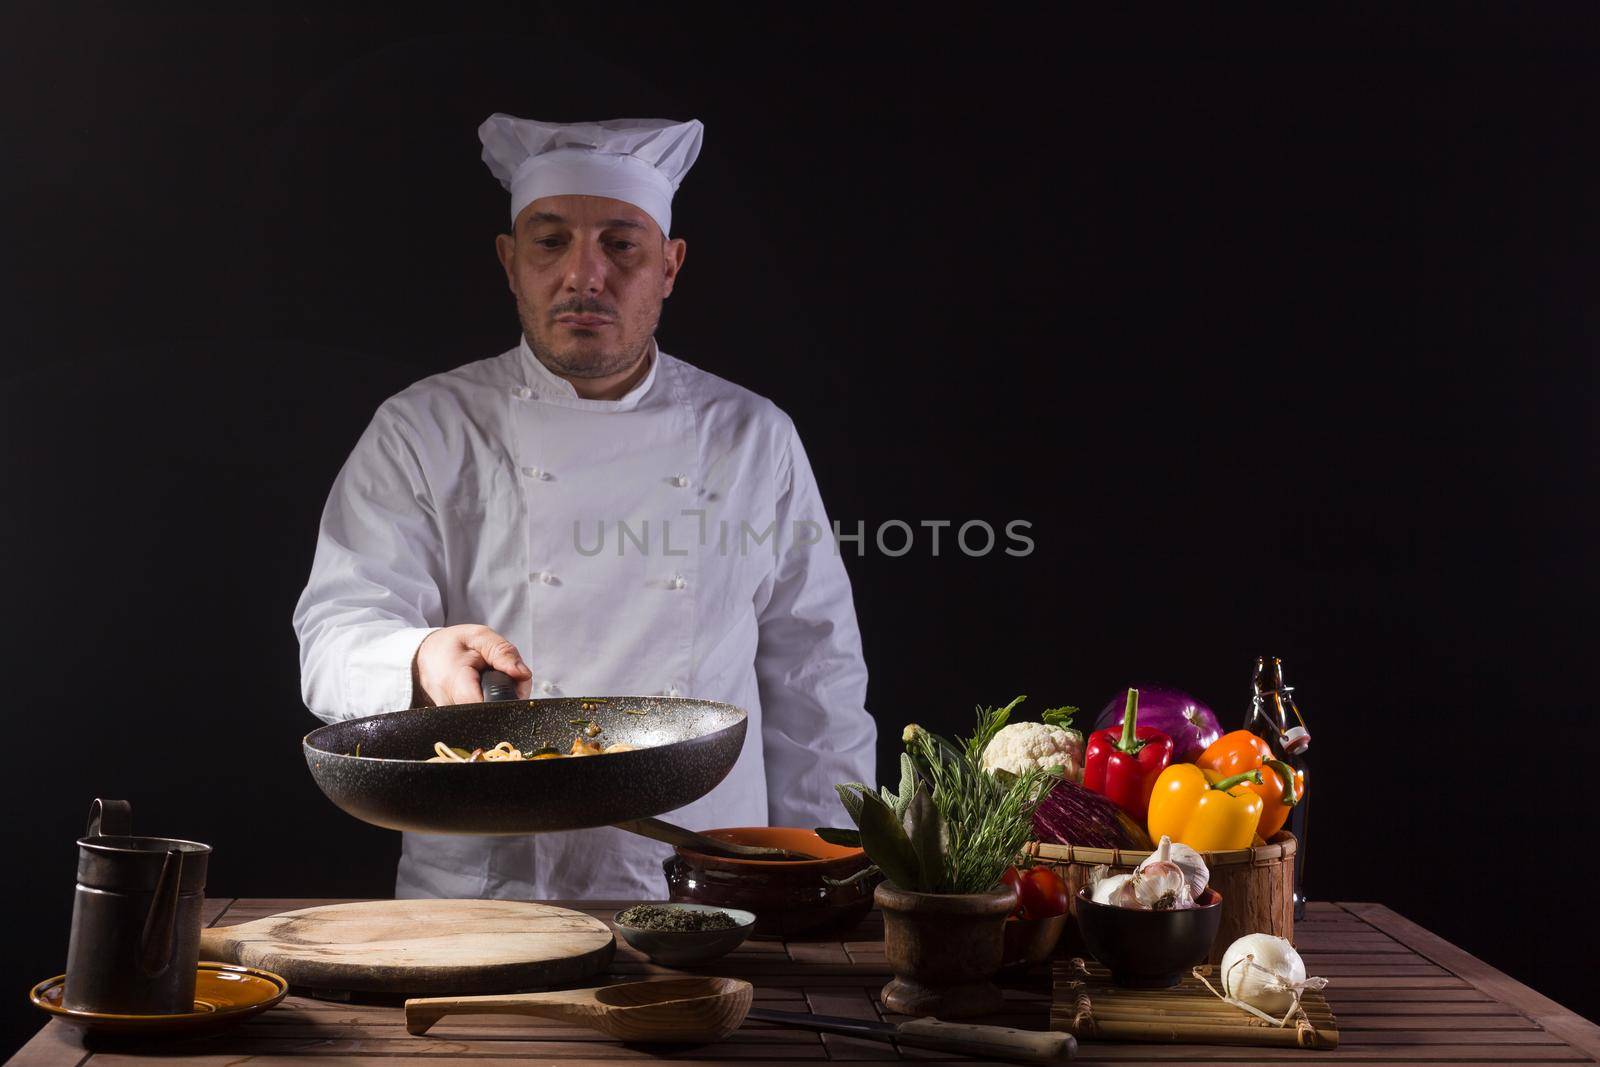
[223, 993]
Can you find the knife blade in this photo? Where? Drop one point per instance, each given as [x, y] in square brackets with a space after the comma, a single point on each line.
[998, 1042]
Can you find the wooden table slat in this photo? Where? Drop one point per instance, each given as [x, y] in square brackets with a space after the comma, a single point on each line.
[213, 908]
[1464, 993]
[820, 952]
[850, 1004]
[56, 1045]
[1401, 994]
[1571, 1027]
[1487, 1013]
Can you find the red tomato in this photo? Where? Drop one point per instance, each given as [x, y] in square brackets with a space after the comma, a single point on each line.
[1013, 878]
[1041, 894]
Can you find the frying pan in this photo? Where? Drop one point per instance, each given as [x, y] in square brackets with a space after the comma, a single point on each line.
[691, 746]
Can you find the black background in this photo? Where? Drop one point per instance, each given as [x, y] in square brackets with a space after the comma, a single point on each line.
[1279, 332]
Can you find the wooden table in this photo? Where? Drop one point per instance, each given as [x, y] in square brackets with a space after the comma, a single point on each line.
[1402, 994]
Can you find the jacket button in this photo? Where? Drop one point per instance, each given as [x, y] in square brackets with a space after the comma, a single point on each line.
[547, 687]
[671, 691]
[677, 582]
[680, 481]
[536, 473]
[522, 392]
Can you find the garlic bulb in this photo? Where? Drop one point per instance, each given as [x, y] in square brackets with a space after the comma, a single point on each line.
[1107, 888]
[1126, 894]
[1103, 884]
[1195, 872]
[1159, 884]
[1263, 971]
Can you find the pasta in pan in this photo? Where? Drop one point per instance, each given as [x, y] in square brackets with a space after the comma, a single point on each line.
[506, 752]
[500, 753]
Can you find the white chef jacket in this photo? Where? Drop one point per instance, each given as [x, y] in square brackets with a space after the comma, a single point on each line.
[618, 544]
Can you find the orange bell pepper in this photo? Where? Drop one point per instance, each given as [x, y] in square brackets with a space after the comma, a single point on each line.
[1281, 785]
[1204, 810]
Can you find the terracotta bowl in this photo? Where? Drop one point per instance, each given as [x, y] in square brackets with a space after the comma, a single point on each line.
[789, 898]
[1149, 949]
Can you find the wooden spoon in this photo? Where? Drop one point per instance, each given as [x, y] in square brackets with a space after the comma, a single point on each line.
[693, 1010]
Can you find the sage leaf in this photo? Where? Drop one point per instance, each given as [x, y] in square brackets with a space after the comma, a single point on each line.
[908, 784]
[850, 796]
[926, 830]
[887, 844]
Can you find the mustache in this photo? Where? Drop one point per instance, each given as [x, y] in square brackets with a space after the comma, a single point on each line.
[582, 307]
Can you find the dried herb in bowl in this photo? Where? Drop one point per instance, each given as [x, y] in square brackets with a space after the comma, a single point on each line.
[657, 917]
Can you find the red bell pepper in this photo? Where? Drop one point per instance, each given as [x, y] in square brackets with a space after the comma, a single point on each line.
[1123, 765]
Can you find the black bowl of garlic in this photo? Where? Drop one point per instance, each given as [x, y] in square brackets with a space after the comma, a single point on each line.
[1150, 927]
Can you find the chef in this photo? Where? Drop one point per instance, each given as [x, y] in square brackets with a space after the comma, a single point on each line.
[592, 516]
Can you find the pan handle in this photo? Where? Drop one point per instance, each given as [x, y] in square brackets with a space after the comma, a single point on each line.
[497, 685]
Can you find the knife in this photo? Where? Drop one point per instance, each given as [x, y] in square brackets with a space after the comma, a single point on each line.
[996, 1042]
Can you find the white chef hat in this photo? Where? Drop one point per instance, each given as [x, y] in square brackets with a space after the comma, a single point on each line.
[638, 161]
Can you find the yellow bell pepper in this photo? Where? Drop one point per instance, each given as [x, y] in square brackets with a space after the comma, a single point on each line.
[1204, 810]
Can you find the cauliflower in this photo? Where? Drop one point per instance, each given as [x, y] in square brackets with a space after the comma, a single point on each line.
[1025, 745]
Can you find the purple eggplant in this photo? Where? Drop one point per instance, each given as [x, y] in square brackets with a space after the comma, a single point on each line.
[1189, 723]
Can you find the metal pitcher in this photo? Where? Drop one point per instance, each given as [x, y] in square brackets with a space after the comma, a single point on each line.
[135, 919]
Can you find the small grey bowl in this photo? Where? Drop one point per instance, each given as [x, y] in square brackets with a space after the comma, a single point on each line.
[685, 948]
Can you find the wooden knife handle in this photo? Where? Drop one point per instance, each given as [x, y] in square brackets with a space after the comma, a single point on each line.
[994, 1042]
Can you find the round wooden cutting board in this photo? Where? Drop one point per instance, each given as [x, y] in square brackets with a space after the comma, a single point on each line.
[420, 946]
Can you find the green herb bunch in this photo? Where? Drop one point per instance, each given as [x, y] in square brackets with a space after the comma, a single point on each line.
[951, 827]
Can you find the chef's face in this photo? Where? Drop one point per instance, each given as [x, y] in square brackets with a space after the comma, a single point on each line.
[589, 274]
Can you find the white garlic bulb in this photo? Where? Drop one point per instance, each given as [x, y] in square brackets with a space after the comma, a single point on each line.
[1160, 884]
[1126, 894]
[1106, 888]
[1195, 872]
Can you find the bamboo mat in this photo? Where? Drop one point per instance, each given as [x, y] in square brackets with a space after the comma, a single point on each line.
[1088, 1005]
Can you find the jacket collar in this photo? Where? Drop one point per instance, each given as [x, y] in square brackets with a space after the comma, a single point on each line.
[551, 388]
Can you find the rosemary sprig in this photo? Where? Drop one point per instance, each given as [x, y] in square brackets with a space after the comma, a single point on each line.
[952, 827]
[988, 816]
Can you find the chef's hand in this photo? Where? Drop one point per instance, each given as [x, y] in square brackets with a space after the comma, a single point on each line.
[448, 662]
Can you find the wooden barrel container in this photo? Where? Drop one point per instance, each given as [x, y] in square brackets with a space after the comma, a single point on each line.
[1257, 885]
